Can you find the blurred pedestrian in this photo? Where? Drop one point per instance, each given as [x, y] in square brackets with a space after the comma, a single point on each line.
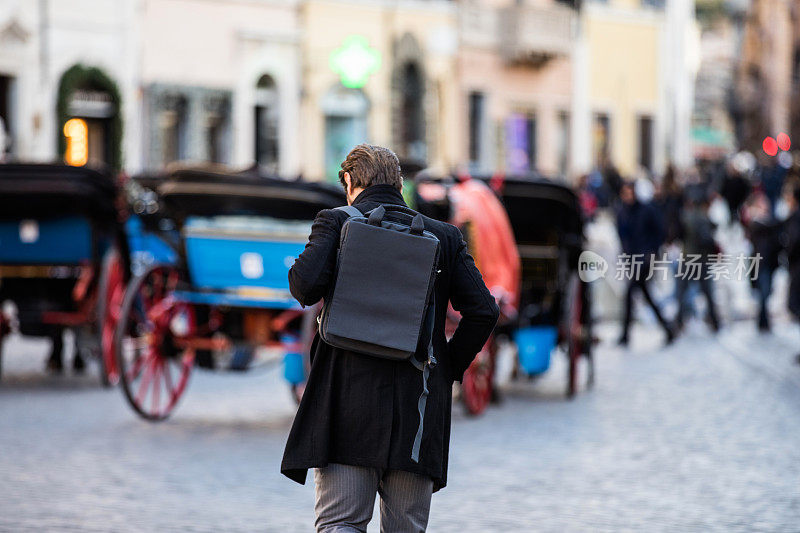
[772, 177]
[641, 233]
[613, 182]
[698, 247]
[792, 241]
[359, 421]
[587, 198]
[735, 189]
[764, 232]
[669, 200]
[55, 362]
[598, 188]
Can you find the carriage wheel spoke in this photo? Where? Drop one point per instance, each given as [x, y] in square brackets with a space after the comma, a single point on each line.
[135, 370]
[146, 378]
[115, 304]
[166, 369]
[156, 400]
[153, 381]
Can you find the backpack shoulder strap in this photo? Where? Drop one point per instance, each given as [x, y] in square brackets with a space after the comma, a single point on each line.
[350, 210]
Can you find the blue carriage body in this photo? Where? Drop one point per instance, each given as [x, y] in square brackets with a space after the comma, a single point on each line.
[56, 225]
[147, 247]
[240, 234]
[50, 241]
[55, 214]
[244, 262]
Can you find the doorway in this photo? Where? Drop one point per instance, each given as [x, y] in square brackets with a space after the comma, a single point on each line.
[345, 126]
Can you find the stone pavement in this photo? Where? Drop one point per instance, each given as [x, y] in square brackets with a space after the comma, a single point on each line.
[700, 436]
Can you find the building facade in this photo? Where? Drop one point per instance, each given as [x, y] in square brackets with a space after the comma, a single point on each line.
[622, 123]
[381, 72]
[67, 59]
[291, 85]
[515, 86]
[768, 73]
[223, 86]
[712, 123]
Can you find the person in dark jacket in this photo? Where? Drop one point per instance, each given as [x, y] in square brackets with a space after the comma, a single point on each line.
[792, 242]
[764, 232]
[698, 247]
[641, 233]
[669, 200]
[358, 417]
[734, 189]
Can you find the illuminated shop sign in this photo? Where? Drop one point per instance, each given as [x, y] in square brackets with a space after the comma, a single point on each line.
[355, 61]
[77, 133]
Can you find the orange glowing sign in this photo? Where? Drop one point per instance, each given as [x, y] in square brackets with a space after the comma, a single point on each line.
[77, 133]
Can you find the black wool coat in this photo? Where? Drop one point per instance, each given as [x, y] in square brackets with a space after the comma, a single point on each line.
[361, 410]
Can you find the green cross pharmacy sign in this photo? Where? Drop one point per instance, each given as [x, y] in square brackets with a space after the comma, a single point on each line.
[354, 61]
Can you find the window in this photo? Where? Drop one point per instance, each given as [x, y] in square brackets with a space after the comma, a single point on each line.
[267, 107]
[172, 123]
[530, 141]
[412, 130]
[215, 137]
[563, 142]
[6, 125]
[520, 143]
[476, 104]
[646, 142]
[346, 113]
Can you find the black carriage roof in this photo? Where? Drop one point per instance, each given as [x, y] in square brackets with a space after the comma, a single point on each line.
[204, 193]
[43, 190]
[536, 187]
[537, 206]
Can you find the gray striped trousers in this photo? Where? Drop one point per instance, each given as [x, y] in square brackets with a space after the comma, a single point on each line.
[345, 499]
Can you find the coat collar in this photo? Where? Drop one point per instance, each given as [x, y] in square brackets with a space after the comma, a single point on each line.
[382, 194]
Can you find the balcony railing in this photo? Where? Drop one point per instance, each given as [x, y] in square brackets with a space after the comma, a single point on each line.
[532, 34]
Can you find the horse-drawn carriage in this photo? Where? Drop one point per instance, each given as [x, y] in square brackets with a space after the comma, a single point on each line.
[224, 303]
[62, 253]
[544, 303]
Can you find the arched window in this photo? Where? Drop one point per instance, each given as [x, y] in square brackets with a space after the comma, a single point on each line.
[412, 121]
[90, 94]
[266, 121]
[172, 125]
[345, 125]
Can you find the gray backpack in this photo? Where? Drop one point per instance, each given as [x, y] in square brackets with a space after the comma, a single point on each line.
[381, 303]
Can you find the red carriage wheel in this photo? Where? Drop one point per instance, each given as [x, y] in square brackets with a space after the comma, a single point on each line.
[153, 364]
[476, 385]
[576, 342]
[112, 292]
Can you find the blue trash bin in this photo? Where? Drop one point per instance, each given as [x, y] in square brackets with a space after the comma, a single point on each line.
[293, 370]
[534, 345]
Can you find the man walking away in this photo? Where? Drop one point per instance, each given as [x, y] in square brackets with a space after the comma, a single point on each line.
[358, 421]
[792, 239]
[641, 233]
[698, 245]
[764, 232]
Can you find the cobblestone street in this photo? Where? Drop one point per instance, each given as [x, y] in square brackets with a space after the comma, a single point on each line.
[700, 436]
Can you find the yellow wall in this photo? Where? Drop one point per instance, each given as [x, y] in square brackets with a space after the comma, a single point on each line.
[325, 26]
[624, 59]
